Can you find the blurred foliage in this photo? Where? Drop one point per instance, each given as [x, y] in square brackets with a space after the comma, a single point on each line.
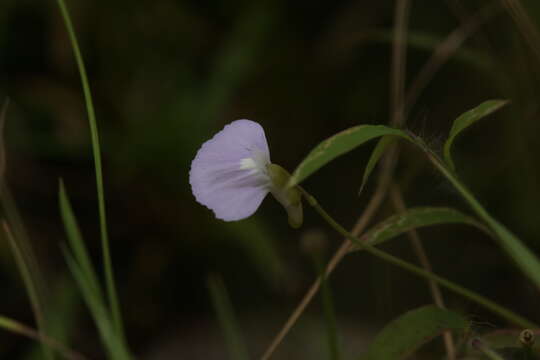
[167, 74]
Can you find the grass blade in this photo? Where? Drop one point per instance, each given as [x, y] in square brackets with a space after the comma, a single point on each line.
[98, 310]
[20, 245]
[467, 119]
[227, 319]
[107, 263]
[379, 150]
[76, 241]
[405, 334]
[16, 327]
[63, 306]
[81, 267]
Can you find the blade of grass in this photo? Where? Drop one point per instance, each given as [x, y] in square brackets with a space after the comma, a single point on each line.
[27, 274]
[81, 267]
[76, 241]
[63, 305]
[107, 263]
[114, 346]
[227, 319]
[21, 329]
[20, 244]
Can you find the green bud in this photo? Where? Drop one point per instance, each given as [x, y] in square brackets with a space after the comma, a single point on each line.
[290, 198]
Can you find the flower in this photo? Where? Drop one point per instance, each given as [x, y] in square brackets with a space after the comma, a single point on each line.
[232, 174]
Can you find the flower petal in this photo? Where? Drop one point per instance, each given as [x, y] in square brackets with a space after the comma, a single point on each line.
[228, 174]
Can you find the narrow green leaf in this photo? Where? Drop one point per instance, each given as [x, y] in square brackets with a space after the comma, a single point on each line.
[340, 144]
[98, 310]
[415, 218]
[107, 262]
[405, 334]
[381, 146]
[76, 241]
[21, 246]
[467, 119]
[84, 273]
[62, 309]
[227, 320]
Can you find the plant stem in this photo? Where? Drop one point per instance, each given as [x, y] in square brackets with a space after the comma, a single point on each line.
[523, 257]
[481, 300]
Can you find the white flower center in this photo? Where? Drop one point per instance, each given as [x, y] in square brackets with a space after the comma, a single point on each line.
[256, 164]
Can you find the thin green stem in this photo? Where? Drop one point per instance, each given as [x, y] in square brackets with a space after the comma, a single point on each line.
[107, 263]
[523, 257]
[488, 304]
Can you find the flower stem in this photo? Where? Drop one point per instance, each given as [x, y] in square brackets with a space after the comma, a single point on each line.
[524, 258]
[479, 299]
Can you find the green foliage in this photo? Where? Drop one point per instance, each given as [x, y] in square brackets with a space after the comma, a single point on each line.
[467, 119]
[107, 262]
[414, 218]
[83, 271]
[340, 144]
[227, 319]
[405, 334]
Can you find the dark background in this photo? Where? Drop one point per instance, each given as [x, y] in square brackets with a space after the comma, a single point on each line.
[168, 74]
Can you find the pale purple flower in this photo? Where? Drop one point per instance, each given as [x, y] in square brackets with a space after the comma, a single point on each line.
[232, 174]
[229, 173]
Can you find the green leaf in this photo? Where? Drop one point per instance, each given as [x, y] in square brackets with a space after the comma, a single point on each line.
[405, 334]
[415, 218]
[381, 146]
[467, 119]
[76, 241]
[107, 262]
[340, 144]
[83, 271]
